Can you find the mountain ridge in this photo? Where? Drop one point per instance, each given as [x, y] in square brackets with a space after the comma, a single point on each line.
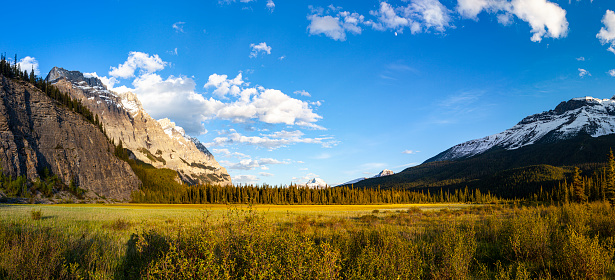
[578, 132]
[157, 142]
[593, 116]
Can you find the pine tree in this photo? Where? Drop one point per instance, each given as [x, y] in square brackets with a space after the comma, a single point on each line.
[578, 187]
[610, 179]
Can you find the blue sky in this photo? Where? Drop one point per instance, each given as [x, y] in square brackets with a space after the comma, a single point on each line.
[329, 89]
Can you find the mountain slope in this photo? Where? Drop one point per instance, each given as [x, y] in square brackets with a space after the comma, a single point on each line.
[37, 133]
[587, 115]
[159, 143]
[578, 132]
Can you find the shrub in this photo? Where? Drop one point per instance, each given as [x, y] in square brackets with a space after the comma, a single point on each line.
[35, 215]
[581, 257]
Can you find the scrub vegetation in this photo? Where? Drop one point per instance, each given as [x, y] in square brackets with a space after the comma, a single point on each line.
[569, 241]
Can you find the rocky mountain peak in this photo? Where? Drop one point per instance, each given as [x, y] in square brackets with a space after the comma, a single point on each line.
[160, 143]
[383, 173]
[76, 77]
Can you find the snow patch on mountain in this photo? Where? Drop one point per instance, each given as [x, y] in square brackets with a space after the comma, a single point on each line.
[586, 115]
[382, 173]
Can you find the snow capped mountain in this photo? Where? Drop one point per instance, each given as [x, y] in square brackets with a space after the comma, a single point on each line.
[586, 115]
[316, 183]
[382, 173]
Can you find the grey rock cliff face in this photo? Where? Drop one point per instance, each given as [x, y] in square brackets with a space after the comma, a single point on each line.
[37, 133]
[158, 142]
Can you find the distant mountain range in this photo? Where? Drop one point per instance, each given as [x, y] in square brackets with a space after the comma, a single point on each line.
[538, 151]
[382, 173]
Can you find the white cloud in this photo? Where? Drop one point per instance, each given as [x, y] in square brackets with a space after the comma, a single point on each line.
[27, 64]
[546, 18]
[222, 152]
[260, 48]
[223, 85]
[606, 35]
[419, 16]
[138, 60]
[250, 164]
[581, 58]
[612, 72]
[109, 82]
[179, 26]
[429, 14]
[302, 93]
[410, 152]
[282, 57]
[246, 164]
[257, 103]
[245, 179]
[583, 73]
[388, 19]
[336, 25]
[265, 174]
[327, 25]
[175, 98]
[270, 5]
[271, 141]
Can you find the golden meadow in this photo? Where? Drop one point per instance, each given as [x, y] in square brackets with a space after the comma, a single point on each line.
[394, 241]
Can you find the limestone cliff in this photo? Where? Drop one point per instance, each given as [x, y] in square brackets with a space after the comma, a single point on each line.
[160, 143]
[37, 133]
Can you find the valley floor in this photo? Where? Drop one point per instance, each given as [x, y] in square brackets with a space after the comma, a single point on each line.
[396, 241]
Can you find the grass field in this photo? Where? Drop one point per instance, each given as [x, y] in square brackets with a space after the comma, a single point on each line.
[406, 241]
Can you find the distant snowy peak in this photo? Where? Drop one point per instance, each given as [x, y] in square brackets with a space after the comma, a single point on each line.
[586, 115]
[383, 173]
[316, 183]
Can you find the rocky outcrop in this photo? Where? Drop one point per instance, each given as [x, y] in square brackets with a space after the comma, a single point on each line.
[36, 133]
[160, 143]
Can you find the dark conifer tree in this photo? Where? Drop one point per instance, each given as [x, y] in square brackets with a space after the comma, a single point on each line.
[610, 179]
[578, 186]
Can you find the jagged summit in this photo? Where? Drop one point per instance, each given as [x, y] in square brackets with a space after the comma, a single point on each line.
[158, 142]
[585, 115]
[76, 76]
[383, 173]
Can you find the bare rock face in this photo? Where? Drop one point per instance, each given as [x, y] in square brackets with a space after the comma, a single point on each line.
[36, 133]
[160, 143]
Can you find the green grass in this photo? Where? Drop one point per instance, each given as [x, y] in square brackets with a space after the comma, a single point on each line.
[438, 241]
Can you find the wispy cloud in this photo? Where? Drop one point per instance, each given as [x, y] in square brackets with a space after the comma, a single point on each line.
[583, 73]
[179, 26]
[272, 141]
[259, 48]
[410, 152]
